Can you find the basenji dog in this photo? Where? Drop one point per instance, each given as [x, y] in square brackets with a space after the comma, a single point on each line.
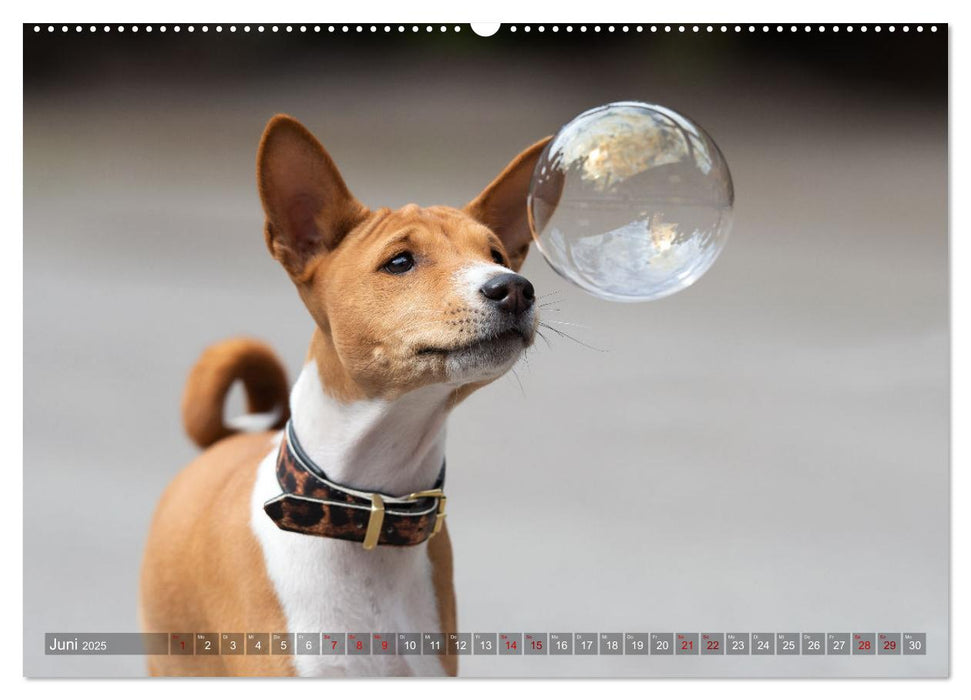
[331, 518]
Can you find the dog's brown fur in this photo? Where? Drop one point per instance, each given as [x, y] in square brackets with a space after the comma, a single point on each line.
[203, 569]
[237, 359]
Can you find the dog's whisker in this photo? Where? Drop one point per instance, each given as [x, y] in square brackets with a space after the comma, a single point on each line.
[545, 339]
[570, 337]
[519, 381]
[568, 323]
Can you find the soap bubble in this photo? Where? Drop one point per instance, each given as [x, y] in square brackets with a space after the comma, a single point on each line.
[631, 201]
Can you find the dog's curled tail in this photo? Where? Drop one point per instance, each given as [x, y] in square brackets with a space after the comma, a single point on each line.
[236, 359]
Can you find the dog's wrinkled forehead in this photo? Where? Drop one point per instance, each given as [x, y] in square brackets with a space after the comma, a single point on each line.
[449, 229]
[440, 239]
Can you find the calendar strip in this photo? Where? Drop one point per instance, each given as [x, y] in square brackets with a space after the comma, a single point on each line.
[489, 643]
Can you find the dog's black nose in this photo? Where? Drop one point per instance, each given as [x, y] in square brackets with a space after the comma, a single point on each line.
[510, 292]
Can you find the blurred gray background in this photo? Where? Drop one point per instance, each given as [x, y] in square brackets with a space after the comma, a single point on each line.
[766, 451]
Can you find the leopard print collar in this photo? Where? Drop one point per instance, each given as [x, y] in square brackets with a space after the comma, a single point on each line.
[311, 504]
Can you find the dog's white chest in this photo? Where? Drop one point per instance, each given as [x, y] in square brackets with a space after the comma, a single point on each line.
[327, 585]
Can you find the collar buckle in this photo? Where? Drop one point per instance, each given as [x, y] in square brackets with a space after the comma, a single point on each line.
[376, 518]
[440, 515]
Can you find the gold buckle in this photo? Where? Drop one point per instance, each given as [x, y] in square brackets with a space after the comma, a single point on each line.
[440, 515]
[375, 521]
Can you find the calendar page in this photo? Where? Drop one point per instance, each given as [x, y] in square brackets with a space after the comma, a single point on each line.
[519, 350]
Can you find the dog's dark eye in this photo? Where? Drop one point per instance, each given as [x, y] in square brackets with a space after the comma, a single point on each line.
[399, 264]
[497, 257]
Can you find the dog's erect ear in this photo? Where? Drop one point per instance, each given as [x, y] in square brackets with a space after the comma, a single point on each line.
[308, 207]
[502, 205]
